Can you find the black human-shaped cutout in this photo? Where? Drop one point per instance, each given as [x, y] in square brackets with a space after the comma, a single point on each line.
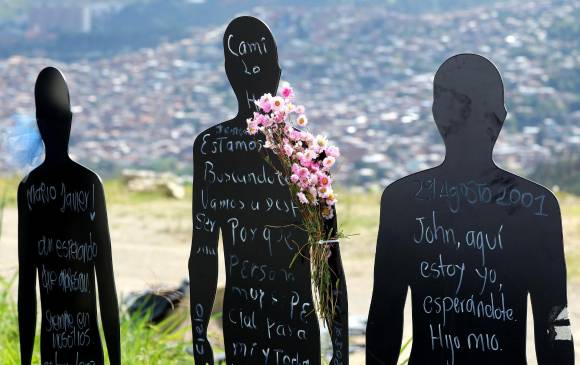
[63, 238]
[268, 312]
[471, 241]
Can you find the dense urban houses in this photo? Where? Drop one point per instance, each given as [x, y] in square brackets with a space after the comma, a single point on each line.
[365, 76]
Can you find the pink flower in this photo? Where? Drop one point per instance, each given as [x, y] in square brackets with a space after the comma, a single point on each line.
[324, 180]
[306, 136]
[279, 116]
[295, 168]
[331, 199]
[324, 191]
[266, 107]
[265, 103]
[288, 150]
[302, 150]
[332, 151]
[313, 179]
[263, 120]
[302, 198]
[294, 135]
[304, 183]
[305, 161]
[310, 154]
[328, 162]
[287, 92]
[327, 212]
[252, 126]
[313, 193]
[303, 172]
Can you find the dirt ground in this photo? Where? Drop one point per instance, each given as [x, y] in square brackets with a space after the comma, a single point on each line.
[151, 247]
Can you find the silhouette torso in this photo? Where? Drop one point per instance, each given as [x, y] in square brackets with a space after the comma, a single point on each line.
[471, 249]
[267, 305]
[64, 244]
[63, 240]
[268, 312]
[471, 242]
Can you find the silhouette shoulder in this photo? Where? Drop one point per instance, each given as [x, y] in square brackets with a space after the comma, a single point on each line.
[546, 200]
[204, 137]
[35, 176]
[87, 173]
[26, 179]
[550, 200]
[404, 185]
[391, 191]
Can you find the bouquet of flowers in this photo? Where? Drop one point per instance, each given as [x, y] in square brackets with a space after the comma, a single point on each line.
[306, 160]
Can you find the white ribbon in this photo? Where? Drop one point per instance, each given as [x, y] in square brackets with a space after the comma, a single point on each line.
[324, 242]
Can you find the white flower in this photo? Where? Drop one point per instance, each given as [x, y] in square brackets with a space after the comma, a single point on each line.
[277, 103]
[302, 120]
[302, 198]
[328, 162]
[320, 142]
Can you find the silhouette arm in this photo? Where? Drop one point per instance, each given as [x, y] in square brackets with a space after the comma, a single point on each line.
[106, 280]
[552, 329]
[203, 264]
[385, 323]
[339, 325]
[26, 283]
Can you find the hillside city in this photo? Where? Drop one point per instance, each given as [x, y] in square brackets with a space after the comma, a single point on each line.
[364, 74]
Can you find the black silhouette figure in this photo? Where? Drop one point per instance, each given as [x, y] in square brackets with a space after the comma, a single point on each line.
[471, 241]
[268, 311]
[64, 238]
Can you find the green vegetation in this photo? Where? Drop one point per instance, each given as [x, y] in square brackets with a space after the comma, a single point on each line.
[8, 191]
[2, 203]
[403, 348]
[565, 174]
[116, 193]
[9, 351]
[141, 343]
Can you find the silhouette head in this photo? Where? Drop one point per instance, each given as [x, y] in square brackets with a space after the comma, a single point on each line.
[468, 101]
[251, 60]
[53, 108]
